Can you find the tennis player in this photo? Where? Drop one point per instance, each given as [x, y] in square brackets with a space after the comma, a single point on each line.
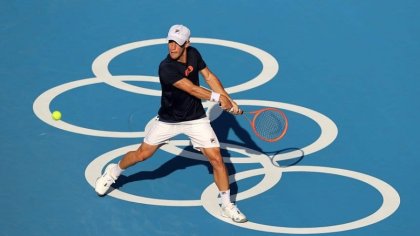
[182, 112]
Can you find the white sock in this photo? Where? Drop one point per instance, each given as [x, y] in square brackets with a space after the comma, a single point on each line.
[225, 197]
[116, 171]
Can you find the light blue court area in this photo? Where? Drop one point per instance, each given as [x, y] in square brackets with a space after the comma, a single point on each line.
[346, 74]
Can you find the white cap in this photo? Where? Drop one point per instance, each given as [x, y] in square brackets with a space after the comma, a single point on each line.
[179, 33]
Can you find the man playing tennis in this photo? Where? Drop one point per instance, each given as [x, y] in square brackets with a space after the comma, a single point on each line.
[182, 112]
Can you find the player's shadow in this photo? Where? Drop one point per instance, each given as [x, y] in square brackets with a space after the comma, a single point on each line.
[176, 163]
[226, 122]
[222, 125]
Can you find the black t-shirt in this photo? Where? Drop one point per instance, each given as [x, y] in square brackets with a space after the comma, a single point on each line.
[177, 105]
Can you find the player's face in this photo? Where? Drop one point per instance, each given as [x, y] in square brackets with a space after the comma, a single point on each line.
[176, 51]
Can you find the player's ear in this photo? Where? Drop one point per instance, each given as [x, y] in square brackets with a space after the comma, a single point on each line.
[187, 44]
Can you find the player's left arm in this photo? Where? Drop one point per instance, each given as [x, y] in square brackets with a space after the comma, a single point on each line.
[213, 81]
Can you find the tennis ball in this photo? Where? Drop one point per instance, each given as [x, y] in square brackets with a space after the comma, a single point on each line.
[56, 115]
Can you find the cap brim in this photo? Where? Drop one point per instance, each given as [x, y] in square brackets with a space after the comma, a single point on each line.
[178, 40]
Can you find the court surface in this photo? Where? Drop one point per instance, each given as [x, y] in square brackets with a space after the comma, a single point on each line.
[346, 73]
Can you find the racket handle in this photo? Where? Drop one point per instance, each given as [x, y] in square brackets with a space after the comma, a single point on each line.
[241, 113]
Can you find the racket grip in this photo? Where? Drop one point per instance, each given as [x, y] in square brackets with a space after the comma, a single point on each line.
[241, 113]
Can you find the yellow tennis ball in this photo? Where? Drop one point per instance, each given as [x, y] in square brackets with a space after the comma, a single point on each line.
[56, 115]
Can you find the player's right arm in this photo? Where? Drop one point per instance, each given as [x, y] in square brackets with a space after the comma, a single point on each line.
[201, 93]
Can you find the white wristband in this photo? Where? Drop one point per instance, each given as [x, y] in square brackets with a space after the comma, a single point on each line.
[214, 97]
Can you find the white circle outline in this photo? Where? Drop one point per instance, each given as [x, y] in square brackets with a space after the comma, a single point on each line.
[100, 65]
[391, 201]
[94, 169]
[41, 108]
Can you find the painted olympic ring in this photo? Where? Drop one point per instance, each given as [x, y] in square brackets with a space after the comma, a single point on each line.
[100, 64]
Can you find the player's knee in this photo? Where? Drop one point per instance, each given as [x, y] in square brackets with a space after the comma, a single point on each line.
[140, 156]
[216, 161]
[144, 152]
[214, 156]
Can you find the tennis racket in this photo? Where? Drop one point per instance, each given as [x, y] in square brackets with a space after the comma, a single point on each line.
[269, 124]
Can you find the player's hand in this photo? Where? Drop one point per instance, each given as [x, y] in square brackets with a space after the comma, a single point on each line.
[229, 105]
[225, 103]
[235, 108]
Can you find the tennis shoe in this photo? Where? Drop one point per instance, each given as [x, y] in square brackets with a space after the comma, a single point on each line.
[231, 211]
[104, 182]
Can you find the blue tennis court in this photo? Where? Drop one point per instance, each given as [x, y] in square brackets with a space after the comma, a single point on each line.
[346, 74]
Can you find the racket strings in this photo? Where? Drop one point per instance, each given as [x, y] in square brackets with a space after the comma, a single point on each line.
[269, 124]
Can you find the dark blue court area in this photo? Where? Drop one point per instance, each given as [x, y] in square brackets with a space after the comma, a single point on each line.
[345, 72]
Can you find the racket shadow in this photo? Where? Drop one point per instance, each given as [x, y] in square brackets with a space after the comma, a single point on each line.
[286, 157]
[224, 122]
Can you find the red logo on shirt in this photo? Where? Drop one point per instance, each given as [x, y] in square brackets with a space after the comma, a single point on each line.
[188, 70]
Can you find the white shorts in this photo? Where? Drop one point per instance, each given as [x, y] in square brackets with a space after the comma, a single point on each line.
[199, 132]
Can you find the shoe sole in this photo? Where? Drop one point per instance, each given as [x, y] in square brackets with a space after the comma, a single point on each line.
[240, 221]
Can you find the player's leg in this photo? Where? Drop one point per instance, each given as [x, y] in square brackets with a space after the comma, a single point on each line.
[221, 179]
[114, 170]
[203, 138]
[157, 134]
[220, 173]
[144, 152]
